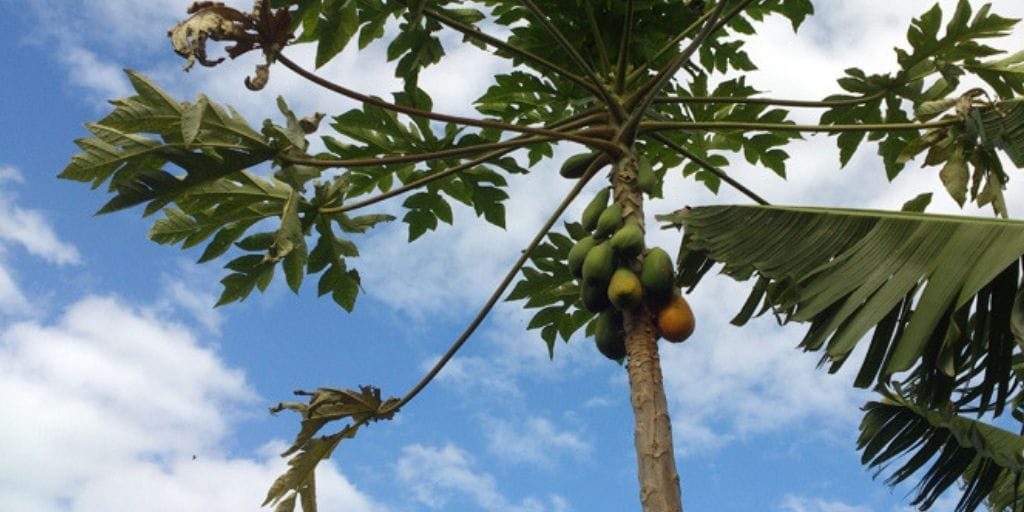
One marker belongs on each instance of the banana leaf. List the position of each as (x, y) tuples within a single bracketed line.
[(985, 459), (937, 291)]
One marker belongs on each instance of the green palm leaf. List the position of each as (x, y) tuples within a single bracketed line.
[(938, 291), (986, 459)]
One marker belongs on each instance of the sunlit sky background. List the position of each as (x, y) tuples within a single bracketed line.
[(124, 390)]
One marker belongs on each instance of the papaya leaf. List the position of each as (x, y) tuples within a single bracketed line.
[(340, 23), (955, 176), (323, 406), (330, 253), (548, 286), (918, 204), (205, 140)]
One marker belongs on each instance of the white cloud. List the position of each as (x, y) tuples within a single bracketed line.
[(112, 404), (215, 484), (436, 476), (12, 300), (10, 174), (103, 78), (793, 503), (192, 289), (29, 228), (946, 503), (534, 441)]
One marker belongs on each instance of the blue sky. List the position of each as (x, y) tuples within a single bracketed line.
[(116, 370)]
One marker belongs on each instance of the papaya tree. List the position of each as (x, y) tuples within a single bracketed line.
[(649, 88)]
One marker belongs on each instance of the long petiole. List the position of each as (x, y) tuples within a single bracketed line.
[(413, 185), (465, 121), (674, 43), (499, 291), (779, 102), (707, 166), (518, 143), (574, 55), (524, 55), (602, 50), (622, 66), (642, 99), (414, 157), (659, 126)]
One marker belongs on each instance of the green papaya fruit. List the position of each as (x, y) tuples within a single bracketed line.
[(578, 253), (645, 178), (628, 241), (609, 222), (624, 289), (593, 210), (598, 264), (594, 296), (657, 276), (609, 336), (576, 165)]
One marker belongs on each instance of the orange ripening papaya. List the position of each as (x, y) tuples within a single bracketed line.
[(675, 320)]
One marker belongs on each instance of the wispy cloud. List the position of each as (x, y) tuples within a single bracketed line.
[(534, 441), (29, 228), (30, 231), (792, 503), (435, 476), (193, 290)]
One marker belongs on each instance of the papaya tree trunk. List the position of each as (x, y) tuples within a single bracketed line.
[(656, 465)]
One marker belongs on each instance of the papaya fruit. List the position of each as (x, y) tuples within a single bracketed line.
[(594, 208), (578, 253), (576, 165), (609, 335), (657, 276), (675, 320), (594, 296), (598, 264), (645, 178), (628, 241), (624, 289), (609, 222)]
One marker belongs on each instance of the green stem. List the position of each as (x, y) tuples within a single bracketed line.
[(527, 56), (641, 100), (595, 29), (574, 55), (413, 158), (622, 66), (583, 119), (704, 164), (418, 183), (773, 101), (499, 291), (657, 126), (415, 112), (674, 43)]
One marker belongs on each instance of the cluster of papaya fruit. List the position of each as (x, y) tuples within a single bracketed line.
[(604, 263)]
